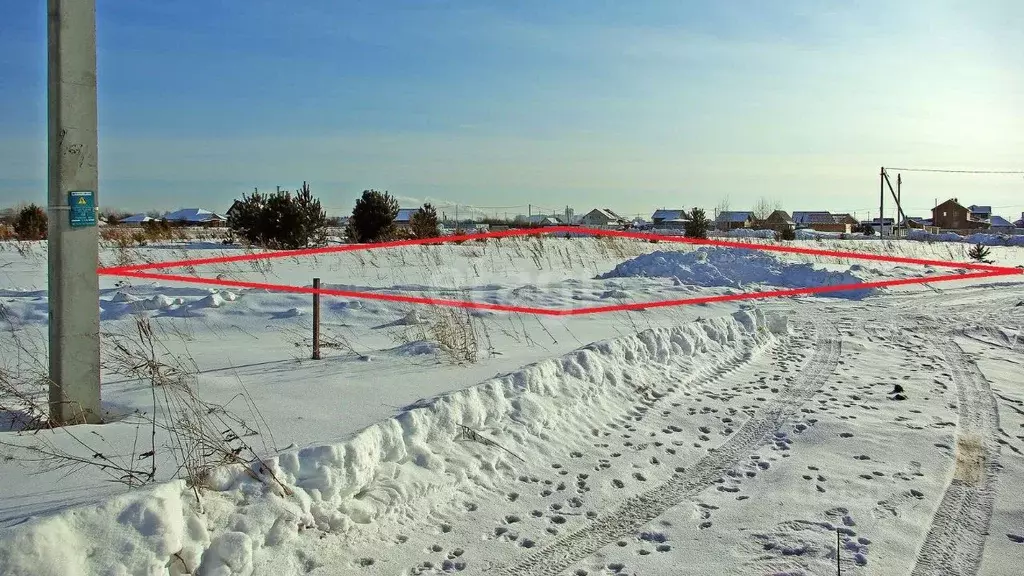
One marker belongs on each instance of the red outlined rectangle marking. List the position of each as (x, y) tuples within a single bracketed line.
[(980, 271)]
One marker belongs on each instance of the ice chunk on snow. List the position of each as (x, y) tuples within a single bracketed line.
[(734, 268)]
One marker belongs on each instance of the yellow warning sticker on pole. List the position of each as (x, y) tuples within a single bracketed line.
[(83, 208)]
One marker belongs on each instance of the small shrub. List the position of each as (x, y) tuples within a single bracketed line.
[(157, 230), (30, 223), (787, 233), (373, 217), (979, 253)]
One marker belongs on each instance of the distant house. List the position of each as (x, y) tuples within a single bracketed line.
[(876, 224), (195, 217), (733, 220), (640, 224), (403, 221), (602, 217), (778, 220), (664, 215), (916, 222), (1001, 225), (539, 220), (136, 220), (950, 215), (823, 221), (234, 206), (804, 219), (1020, 223), (980, 212)]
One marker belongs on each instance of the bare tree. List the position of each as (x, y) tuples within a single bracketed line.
[(763, 208), (723, 206)]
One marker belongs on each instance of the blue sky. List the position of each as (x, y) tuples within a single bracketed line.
[(629, 105)]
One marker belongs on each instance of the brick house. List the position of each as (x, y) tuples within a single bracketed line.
[(950, 215), (822, 221)]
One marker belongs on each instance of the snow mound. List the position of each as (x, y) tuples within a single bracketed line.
[(417, 348), (215, 300), (750, 233), (979, 238), (412, 318), (124, 297), (388, 467), (732, 268), (161, 302)]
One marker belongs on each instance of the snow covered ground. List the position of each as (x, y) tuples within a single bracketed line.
[(709, 439)]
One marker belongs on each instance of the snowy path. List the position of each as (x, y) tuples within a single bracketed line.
[(637, 511), (956, 540)]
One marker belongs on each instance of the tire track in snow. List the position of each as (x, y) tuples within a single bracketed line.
[(956, 538), (638, 510)]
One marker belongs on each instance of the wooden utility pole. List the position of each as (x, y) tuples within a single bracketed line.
[(316, 319), (881, 202), (899, 202)]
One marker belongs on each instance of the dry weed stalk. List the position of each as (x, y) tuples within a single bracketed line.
[(202, 435)]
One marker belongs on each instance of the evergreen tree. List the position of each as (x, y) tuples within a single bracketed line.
[(280, 220), (373, 217), (697, 224), (31, 223), (424, 222), (979, 252)]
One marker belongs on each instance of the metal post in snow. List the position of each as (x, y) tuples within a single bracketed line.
[(839, 568), (72, 238), (316, 319)]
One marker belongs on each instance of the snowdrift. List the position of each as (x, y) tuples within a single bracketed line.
[(404, 466), (723, 267), (980, 238)]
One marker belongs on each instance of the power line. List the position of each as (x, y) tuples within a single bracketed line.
[(1019, 172)]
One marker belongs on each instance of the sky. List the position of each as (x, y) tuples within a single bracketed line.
[(535, 105)]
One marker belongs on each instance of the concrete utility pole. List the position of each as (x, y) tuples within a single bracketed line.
[(72, 235)]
